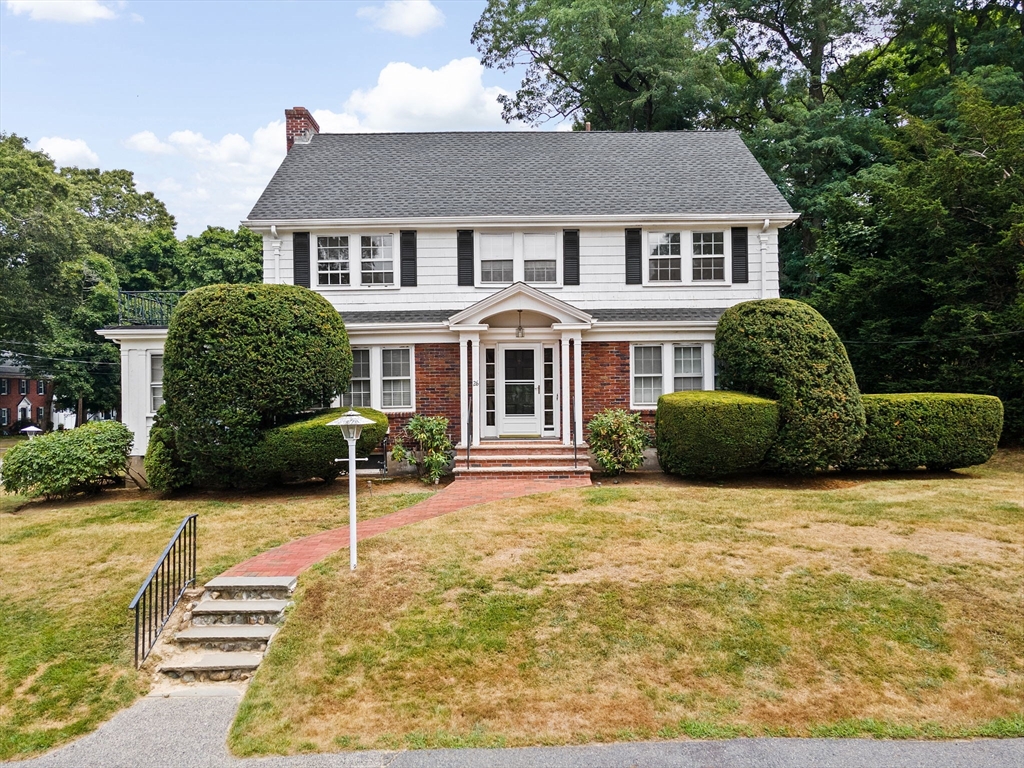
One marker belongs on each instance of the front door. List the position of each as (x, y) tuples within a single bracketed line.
[(519, 384)]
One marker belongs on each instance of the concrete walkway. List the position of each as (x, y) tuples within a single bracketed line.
[(189, 732), (293, 558)]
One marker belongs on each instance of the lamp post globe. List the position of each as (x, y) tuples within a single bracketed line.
[(351, 424)]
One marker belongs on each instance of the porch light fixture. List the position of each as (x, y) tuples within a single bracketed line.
[(520, 331), (351, 424)]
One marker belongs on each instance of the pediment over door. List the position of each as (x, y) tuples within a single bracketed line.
[(538, 308)]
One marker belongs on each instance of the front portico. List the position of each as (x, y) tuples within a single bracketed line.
[(520, 366)]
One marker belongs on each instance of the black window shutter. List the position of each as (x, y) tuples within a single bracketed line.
[(464, 248), (634, 258), (300, 259), (740, 272), (407, 240), (571, 257)]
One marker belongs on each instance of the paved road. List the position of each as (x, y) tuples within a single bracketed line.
[(189, 732)]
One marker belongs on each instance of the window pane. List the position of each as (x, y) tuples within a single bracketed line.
[(394, 363), (539, 271), (688, 361), (360, 363), (708, 243), (647, 361), (647, 390), (396, 393), (709, 268), (332, 260), (495, 247), (666, 269), (376, 254), (496, 271), (664, 244), (539, 247)]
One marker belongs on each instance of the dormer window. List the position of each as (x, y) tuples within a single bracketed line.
[(332, 260)]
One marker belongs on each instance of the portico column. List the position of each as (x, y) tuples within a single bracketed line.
[(577, 372), (476, 376), (563, 365), (463, 395)]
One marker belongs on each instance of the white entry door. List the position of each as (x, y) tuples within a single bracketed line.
[(520, 376)]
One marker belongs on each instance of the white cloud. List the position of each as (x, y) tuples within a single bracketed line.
[(67, 11), (146, 141), (406, 17), (216, 181), (69, 151), (408, 98)]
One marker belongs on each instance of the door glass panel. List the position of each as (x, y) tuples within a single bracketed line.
[(549, 388), (519, 400), (519, 365)]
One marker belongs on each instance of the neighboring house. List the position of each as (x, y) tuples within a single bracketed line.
[(23, 400), (514, 282)]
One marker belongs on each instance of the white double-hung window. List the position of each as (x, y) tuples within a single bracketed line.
[(156, 382), (688, 368), (358, 395), (540, 259), (378, 259), (396, 377), (496, 258), (666, 257), (647, 375), (708, 256), (332, 260)]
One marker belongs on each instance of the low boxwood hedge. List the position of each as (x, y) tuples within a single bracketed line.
[(709, 434), (308, 448), (933, 430), (71, 461)]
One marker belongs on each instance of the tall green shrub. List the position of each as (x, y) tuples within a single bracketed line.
[(938, 431), (308, 448), (431, 449), (784, 350), (67, 462), (239, 359), (710, 434)]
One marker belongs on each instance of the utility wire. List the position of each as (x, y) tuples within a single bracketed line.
[(64, 359), (938, 341)]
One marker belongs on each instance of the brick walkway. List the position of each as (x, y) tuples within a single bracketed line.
[(296, 556)]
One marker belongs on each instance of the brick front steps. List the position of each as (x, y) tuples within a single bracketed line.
[(522, 459)]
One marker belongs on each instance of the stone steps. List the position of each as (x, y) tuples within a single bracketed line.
[(223, 636), (525, 459)]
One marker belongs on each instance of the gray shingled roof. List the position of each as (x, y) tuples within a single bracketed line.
[(646, 315), (391, 175)]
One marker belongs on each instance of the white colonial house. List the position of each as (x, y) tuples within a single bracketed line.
[(514, 282)]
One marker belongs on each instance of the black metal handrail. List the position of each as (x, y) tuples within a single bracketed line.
[(174, 572), (152, 308)]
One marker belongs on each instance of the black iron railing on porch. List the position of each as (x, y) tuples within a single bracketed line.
[(152, 308), (174, 572)]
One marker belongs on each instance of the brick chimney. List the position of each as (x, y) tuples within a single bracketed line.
[(299, 126)]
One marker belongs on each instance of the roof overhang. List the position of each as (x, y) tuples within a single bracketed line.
[(777, 219), (520, 296)]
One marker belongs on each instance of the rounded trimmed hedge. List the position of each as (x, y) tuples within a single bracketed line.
[(70, 461), (239, 359), (710, 434), (308, 448), (784, 350), (933, 430)]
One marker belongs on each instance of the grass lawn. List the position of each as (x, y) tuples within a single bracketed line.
[(884, 605), (68, 571)]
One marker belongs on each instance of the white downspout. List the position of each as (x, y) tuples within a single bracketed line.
[(764, 250), (277, 253)]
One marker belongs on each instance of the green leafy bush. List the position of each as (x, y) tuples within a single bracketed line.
[(308, 448), (617, 440), (61, 464), (938, 431), (784, 350), (709, 434), (238, 360), (432, 450), (165, 471)]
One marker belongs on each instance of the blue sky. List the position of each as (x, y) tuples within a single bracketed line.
[(191, 95)]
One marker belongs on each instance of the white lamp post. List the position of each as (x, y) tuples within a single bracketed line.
[(351, 424), (31, 431)]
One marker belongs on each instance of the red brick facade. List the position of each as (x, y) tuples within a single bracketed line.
[(606, 381), (13, 399), (437, 388)]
